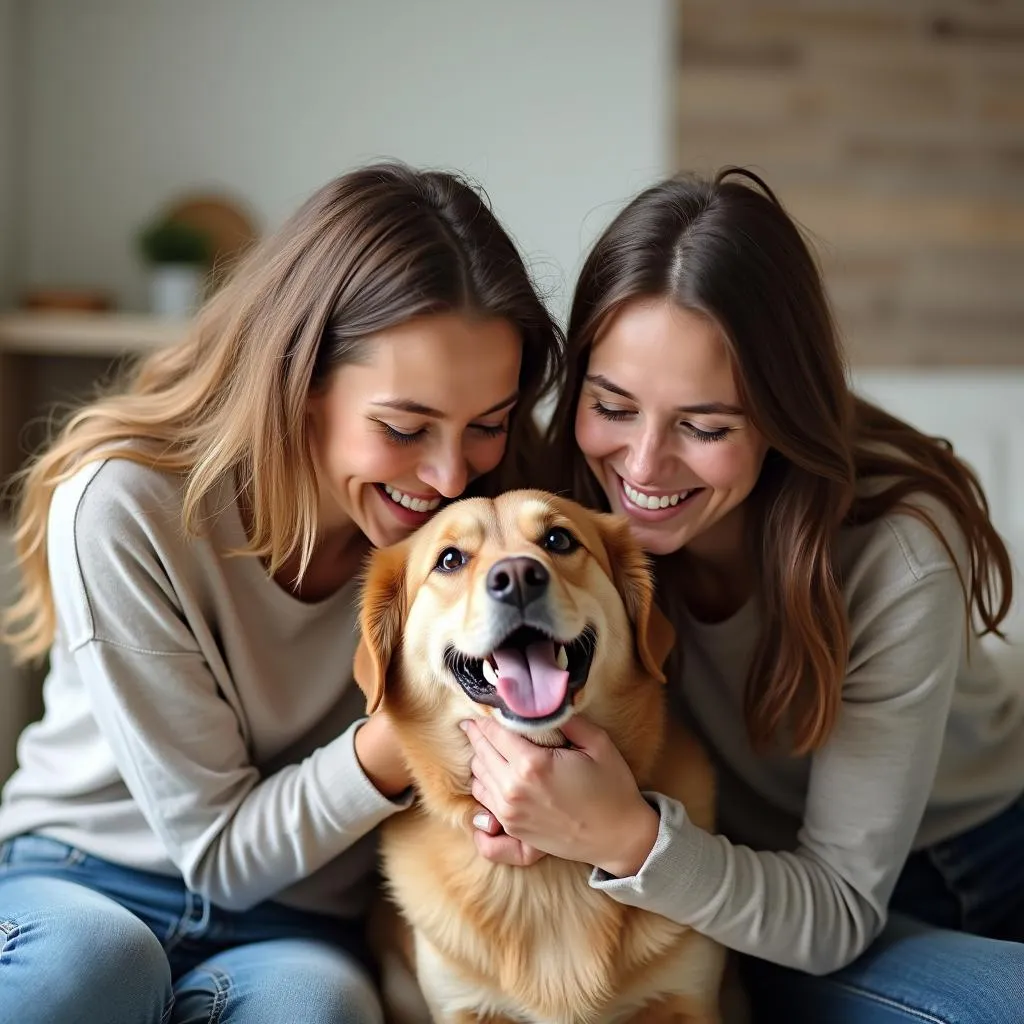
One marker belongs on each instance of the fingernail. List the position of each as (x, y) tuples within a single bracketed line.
[(482, 821), (464, 726)]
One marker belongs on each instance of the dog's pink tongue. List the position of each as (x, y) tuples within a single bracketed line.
[(531, 685)]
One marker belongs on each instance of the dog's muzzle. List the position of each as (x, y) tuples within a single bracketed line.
[(531, 676)]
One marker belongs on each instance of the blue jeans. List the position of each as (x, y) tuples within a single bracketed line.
[(84, 941), (952, 952)]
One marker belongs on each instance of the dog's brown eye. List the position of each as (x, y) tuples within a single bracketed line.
[(559, 541), (450, 559)]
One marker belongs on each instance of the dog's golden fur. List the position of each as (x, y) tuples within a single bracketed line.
[(495, 942)]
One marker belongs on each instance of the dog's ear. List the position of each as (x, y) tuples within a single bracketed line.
[(631, 573), (381, 619)]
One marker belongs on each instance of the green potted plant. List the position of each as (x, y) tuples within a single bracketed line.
[(178, 256)]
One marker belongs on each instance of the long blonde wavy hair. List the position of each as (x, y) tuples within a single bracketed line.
[(368, 251)]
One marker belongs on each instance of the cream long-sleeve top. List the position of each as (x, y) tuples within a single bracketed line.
[(199, 719), (929, 742)]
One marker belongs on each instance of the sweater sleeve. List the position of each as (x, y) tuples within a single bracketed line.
[(177, 742), (817, 907)]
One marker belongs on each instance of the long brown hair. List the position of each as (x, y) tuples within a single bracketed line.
[(368, 251), (726, 248)]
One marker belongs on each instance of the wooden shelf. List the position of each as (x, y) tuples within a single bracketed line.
[(85, 334), (32, 342)]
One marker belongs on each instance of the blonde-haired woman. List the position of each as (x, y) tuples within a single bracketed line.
[(185, 837)]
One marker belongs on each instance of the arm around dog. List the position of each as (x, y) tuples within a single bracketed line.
[(132, 632), (818, 906)]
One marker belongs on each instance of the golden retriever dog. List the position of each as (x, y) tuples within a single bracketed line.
[(531, 609)]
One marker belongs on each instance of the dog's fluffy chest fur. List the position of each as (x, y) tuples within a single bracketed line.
[(532, 943)]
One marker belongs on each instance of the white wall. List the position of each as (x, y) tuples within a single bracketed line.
[(8, 100), (559, 108)]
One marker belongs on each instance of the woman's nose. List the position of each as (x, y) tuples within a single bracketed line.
[(645, 457), (447, 473)]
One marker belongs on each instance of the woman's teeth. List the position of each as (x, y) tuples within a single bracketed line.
[(416, 504), (642, 500)]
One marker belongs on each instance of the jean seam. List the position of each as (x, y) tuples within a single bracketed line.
[(9, 932), (895, 1004), (185, 926), (222, 986), (73, 857)]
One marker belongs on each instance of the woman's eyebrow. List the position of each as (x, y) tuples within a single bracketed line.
[(712, 409), (419, 409), (603, 382), (703, 409)]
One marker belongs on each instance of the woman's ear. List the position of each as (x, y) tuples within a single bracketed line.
[(631, 573), (381, 620)]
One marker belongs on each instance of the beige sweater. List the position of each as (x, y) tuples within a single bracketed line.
[(199, 720)]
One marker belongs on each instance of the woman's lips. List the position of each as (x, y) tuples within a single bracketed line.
[(640, 504)]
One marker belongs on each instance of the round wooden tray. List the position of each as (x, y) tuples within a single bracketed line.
[(224, 221)]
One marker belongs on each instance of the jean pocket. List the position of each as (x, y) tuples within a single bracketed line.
[(35, 851)]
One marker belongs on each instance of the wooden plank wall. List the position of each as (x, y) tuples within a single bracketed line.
[(894, 131)]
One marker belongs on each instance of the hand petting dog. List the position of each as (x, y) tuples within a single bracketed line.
[(535, 795)]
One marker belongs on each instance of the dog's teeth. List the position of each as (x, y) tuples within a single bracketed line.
[(562, 659), (489, 674)]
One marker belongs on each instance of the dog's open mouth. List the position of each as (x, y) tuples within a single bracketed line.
[(531, 676)]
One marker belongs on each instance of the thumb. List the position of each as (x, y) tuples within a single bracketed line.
[(582, 733)]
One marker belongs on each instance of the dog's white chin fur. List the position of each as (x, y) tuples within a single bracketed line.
[(548, 735)]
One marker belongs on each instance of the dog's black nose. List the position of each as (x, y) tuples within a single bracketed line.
[(517, 581)]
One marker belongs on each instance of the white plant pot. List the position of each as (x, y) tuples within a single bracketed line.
[(175, 289)]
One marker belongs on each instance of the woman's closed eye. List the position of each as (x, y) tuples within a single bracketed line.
[(491, 429), (706, 436), (618, 415), (610, 412), (398, 435)]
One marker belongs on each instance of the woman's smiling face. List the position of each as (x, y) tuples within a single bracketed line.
[(424, 414), (660, 423)]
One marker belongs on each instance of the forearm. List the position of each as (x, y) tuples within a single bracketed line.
[(634, 843), (234, 836), (787, 908), (283, 829)]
